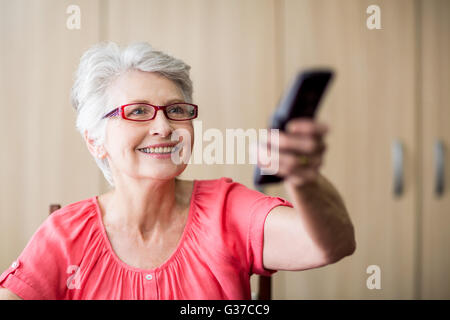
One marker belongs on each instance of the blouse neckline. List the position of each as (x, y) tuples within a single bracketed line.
[(174, 254)]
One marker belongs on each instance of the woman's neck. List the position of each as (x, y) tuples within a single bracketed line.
[(144, 209)]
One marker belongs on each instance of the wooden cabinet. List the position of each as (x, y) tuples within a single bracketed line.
[(43, 158), (434, 114), (390, 95), (371, 104)]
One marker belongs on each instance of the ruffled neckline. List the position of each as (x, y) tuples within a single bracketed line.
[(175, 253)]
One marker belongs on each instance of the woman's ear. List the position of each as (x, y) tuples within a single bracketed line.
[(96, 151)]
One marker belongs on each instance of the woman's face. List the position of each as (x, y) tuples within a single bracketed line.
[(124, 137)]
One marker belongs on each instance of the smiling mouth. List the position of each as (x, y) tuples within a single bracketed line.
[(161, 150)]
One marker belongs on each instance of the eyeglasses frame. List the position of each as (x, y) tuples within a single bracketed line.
[(119, 111)]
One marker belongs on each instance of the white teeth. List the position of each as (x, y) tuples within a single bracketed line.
[(158, 150)]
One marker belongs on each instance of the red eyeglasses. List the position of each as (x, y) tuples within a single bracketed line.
[(179, 111)]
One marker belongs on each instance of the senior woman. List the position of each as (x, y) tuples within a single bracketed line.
[(154, 236)]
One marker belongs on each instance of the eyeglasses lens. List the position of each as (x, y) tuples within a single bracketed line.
[(145, 112)]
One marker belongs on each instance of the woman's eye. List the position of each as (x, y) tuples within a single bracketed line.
[(176, 110), (139, 111)]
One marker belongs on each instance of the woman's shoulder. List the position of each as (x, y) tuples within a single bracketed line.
[(40, 271), (216, 180), (74, 212), (71, 221), (224, 192), (234, 197), (215, 183), (223, 184)]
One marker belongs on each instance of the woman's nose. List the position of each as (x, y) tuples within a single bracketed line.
[(160, 125)]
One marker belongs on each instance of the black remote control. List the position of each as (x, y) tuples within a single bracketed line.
[(301, 101)]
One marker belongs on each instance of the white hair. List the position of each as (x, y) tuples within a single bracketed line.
[(99, 67)]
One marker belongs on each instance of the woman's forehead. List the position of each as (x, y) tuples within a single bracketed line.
[(140, 86)]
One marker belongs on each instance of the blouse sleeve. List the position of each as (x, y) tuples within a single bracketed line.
[(35, 274), (247, 210)]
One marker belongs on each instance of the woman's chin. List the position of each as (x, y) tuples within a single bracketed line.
[(164, 172)]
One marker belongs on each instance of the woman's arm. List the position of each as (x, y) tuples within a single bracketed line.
[(316, 232), (5, 294)]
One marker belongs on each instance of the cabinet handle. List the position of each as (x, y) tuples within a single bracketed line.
[(439, 165), (397, 163)]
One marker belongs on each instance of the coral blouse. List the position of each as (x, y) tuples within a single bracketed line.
[(70, 256)]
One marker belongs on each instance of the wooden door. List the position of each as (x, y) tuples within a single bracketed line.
[(435, 119), (370, 105), (40, 160)]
